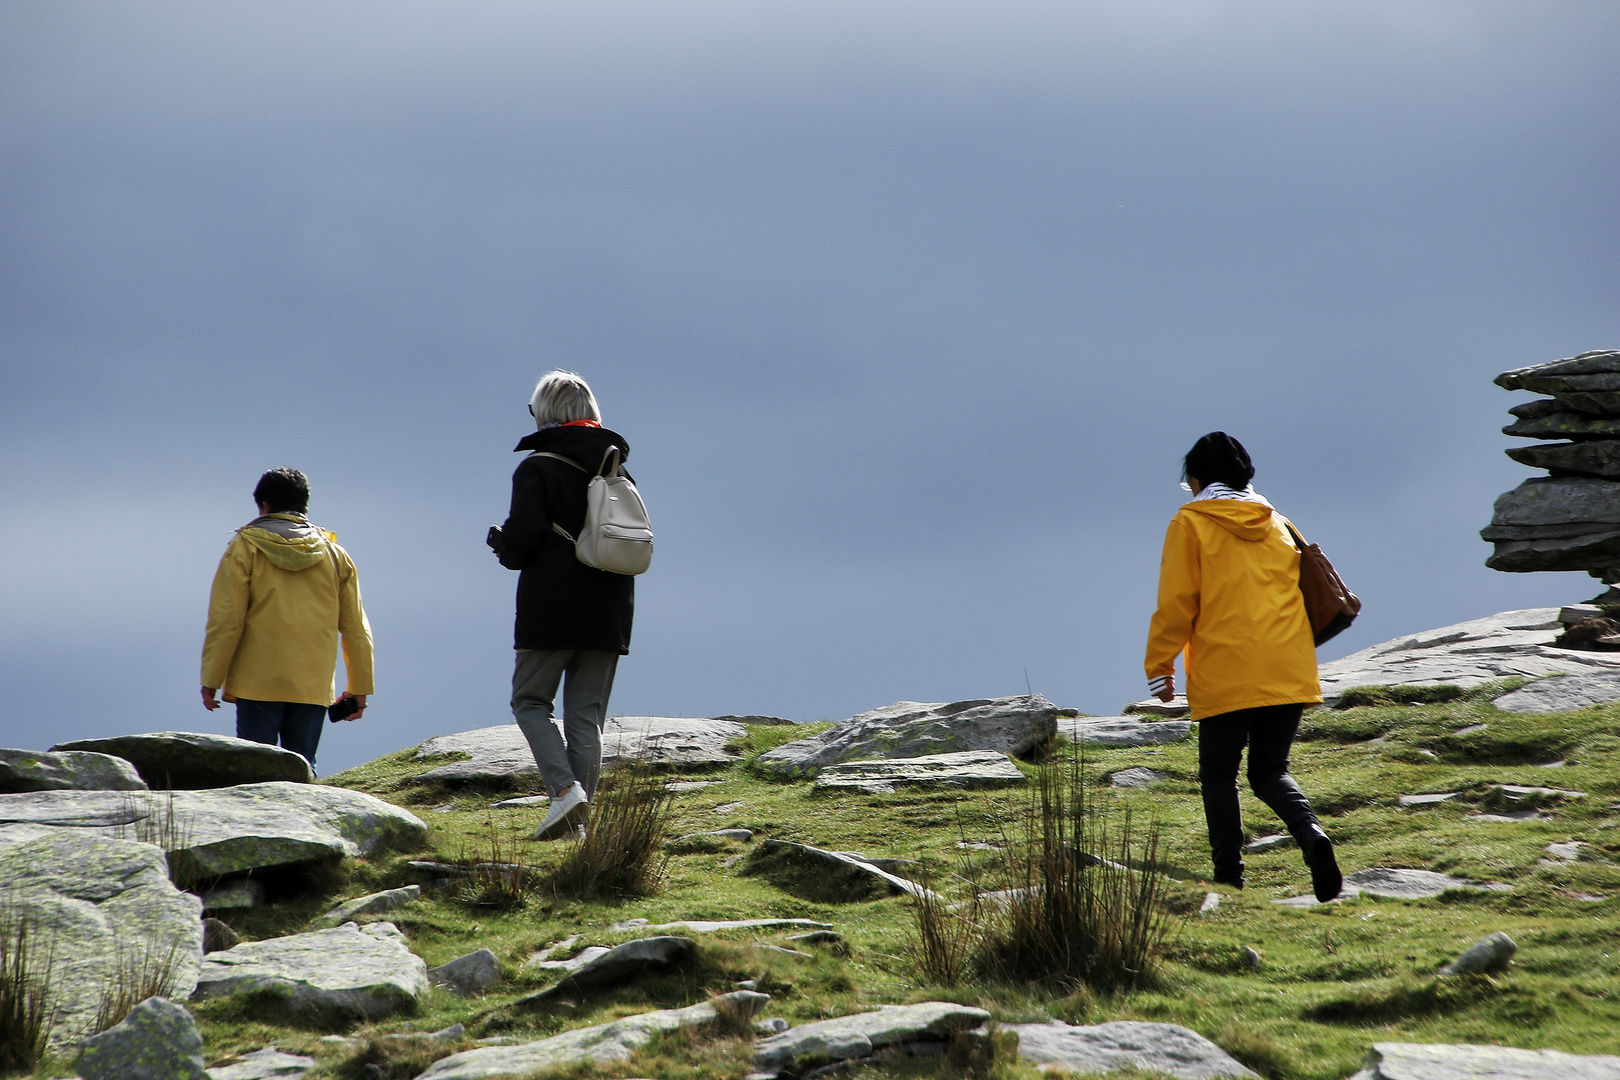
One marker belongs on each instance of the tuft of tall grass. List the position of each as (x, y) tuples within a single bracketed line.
[(153, 821), (622, 850), (495, 874), (25, 994), (140, 970)]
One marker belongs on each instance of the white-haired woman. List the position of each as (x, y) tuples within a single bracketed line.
[(573, 621)]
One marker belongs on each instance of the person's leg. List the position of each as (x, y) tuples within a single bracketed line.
[(259, 721), (1271, 736), (534, 688), (301, 725), (585, 703), (1220, 750)]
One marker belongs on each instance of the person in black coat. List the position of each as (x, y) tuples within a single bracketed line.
[(573, 621)]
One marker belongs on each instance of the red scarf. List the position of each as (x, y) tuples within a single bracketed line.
[(581, 423)]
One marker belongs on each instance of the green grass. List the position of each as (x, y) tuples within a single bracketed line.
[(1332, 980)]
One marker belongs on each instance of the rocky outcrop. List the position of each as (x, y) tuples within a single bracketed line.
[(1166, 1049), (601, 1045), (501, 752), (71, 770), (1123, 730), (847, 1038), (617, 965), (158, 1040), (1562, 693), (910, 729), (351, 973), (190, 759), (967, 769), (106, 906), (1426, 1061)]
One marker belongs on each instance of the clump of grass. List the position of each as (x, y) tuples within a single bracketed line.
[(25, 994), (1432, 997), (496, 875), (140, 970), (622, 851), (152, 820), (1358, 696), (945, 943), (1257, 1050), (763, 737), (396, 1057)]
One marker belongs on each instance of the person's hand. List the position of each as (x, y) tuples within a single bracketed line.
[(209, 701), (1167, 692), (359, 700)]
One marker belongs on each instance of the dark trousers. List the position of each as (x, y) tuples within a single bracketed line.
[(1269, 732), (296, 725)]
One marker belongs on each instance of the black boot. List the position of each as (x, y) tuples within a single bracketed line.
[(1326, 881)]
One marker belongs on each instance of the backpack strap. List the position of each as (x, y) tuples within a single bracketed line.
[(602, 469), (559, 457)]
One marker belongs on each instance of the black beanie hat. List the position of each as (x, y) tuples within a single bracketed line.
[(1218, 458)]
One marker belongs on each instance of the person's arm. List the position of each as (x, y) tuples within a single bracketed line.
[(527, 525), (1180, 579), (227, 615), (355, 631)]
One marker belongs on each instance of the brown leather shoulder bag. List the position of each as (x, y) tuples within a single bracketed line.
[(1329, 605)]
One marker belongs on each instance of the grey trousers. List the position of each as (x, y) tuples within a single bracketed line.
[(575, 753)]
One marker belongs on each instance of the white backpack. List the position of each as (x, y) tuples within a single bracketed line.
[(617, 535)]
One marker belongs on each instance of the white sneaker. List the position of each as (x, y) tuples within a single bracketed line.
[(565, 808)]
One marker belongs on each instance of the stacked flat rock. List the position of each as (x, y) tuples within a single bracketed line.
[(1570, 519)]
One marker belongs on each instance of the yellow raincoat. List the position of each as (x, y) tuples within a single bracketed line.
[(1229, 595), (282, 596)]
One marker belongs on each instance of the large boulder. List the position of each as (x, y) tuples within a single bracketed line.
[(1556, 523), (191, 759), (909, 729), (502, 753), (214, 833), (599, 1045), (72, 770), (1466, 654), (1439, 1061), (966, 769), (1166, 1049), (850, 1037), (104, 906), (350, 973), (158, 1040)]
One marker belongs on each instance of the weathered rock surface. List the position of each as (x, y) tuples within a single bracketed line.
[(573, 963), (218, 936), (1465, 654), (266, 1064), (910, 729), (235, 894), (1399, 884), (618, 965), (99, 899), (1175, 708), (754, 718), (1491, 953), (72, 770), (374, 904), (191, 759), (1548, 418), (501, 752), (1262, 844), (1123, 730), (714, 839), (352, 972), (602, 1044), (964, 769), (1430, 799), (857, 1036), (700, 926), (1598, 369), (158, 1040), (1595, 457), (1426, 1061), (225, 831), (1526, 797), (1562, 693), (1102, 1048), (839, 861), (1556, 523), (466, 975), (1136, 777)]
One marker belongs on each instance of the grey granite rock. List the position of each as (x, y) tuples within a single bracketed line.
[(466, 975), (1595, 457), (1398, 884), (106, 906), (373, 904), (1431, 1061), (191, 759), (158, 1040), (266, 1064), (1175, 708), (1550, 418), (1465, 654), (218, 936), (71, 770), (1566, 852), (352, 972), (1431, 799), (1603, 364), (1103, 1048), (1491, 953), (1123, 730), (859, 1035), (1212, 900), (699, 926), (713, 840), (1562, 693), (234, 894), (618, 965), (964, 769), (1262, 844), (840, 860), (817, 937), (909, 729), (1136, 777), (602, 1044), (573, 963), (501, 752), (754, 718), (1556, 523)]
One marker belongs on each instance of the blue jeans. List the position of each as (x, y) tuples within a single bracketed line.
[(295, 724)]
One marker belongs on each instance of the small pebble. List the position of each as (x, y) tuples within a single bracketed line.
[(1251, 958)]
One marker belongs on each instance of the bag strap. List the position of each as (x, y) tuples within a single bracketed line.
[(1299, 541), (559, 457), (602, 469)]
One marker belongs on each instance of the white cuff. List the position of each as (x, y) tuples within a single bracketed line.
[(1157, 685)]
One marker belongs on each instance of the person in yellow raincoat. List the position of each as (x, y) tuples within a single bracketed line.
[(1229, 599), (284, 595)]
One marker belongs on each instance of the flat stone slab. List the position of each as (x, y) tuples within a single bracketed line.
[(501, 752), (70, 770), (1136, 777), (192, 759), (911, 729), (1262, 844), (1175, 708), (1102, 1048), (964, 769), (373, 904), (1466, 654), (1398, 884), (805, 852), (617, 965), (266, 1064), (1439, 1061), (699, 926), (756, 718), (1562, 693), (847, 1037), (1123, 730), (602, 1044), (585, 956), (1430, 799), (224, 831), (95, 897), (352, 972)]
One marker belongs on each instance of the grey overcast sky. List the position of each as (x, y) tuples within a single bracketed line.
[(908, 311)]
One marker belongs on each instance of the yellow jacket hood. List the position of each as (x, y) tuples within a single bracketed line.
[(289, 541), (1244, 520)]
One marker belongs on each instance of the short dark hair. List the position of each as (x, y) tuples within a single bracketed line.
[(284, 491), (1218, 458)]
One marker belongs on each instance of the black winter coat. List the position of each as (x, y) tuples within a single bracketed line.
[(561, 602)]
